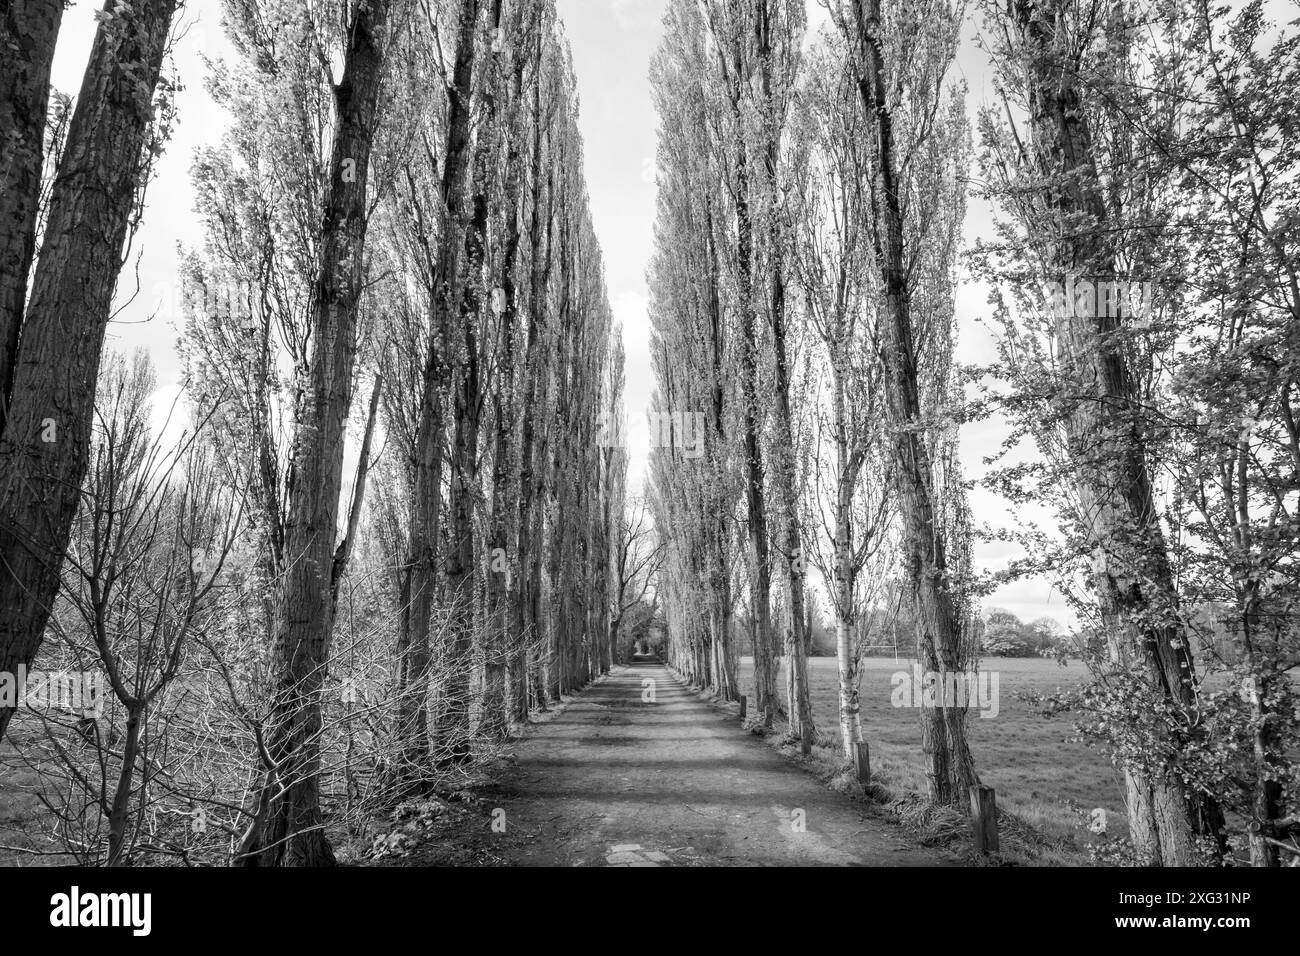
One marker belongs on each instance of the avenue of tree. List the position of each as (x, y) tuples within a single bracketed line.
[(398, 522)]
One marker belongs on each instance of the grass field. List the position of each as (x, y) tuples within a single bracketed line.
[(1028, 759)]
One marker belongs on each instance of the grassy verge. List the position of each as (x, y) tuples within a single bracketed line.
[(1039, 772)]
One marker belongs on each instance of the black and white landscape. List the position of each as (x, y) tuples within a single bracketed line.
[(616, 433)]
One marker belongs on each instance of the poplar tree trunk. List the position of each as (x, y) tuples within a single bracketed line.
[(419, 587), (760, 586), (453, 726), (1132, 578), (415, 653), (29, 30), (796, 638), (950, 769), (47, 432), (796, 642), (537, 393), (499, 679), (1267, 799), (288, 826), (848, 466), (728, 687)]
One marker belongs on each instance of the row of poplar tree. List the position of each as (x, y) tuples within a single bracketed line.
[(387, 531), (1138, 161)]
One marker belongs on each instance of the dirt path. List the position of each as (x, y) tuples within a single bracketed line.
[(615, 780)]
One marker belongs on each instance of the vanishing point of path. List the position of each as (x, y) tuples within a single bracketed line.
[(614, 780)]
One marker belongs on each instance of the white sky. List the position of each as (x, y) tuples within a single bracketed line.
[(612, 42)]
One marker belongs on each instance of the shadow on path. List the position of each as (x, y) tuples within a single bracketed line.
[(639, 771)]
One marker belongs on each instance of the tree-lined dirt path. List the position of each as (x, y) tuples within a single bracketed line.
[(615, 780)]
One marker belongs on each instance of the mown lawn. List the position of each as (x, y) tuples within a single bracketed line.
[(1026, 758)]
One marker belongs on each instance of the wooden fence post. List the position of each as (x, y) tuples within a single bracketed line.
[(984, 818), (862, 762)]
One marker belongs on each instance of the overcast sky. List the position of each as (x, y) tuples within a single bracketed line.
[(612, 42)]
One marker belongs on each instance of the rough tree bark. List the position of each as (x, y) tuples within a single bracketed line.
[(796, 638), (760, 570), (425, 507), (528, 618), (950, 769), (502, 677), (47, 434), (287, 827), (28, 32), (1132, 577), (849, 461), (720, 580)]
